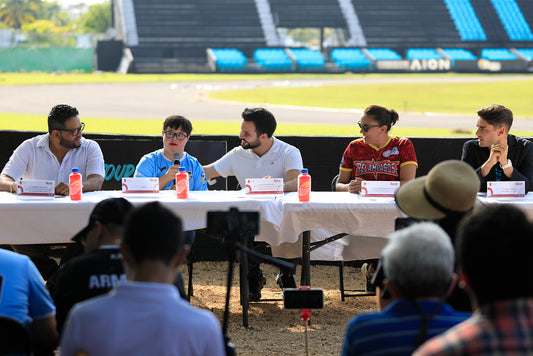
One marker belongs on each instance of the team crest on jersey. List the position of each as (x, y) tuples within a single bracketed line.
[(381, 167), (389, 153)]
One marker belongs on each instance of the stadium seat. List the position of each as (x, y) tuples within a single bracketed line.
[(497, 54), (273, 59), (383, 54), (422, 53), (459, 54), (350, 59), (513, 20), (465, 20), (307, 59), (229, 59)]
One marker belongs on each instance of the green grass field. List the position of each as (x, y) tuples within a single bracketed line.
[(424, 96)]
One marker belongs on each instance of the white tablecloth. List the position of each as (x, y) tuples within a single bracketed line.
[(58, 219), (283, 219)]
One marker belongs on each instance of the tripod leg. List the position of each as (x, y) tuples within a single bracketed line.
[(243, 282)]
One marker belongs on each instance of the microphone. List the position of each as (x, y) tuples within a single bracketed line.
[(177, 157)]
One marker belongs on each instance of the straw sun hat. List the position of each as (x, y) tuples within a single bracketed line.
[(450, 187)]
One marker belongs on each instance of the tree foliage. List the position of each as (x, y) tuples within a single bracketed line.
[(97, 19), (16, 13)]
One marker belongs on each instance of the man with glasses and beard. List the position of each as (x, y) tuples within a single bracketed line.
[(52, 156), (260, 155)]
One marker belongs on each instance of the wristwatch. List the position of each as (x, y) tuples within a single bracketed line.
[(508, 165)]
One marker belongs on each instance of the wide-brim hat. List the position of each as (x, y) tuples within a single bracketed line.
[(112, 210), (450, 187)]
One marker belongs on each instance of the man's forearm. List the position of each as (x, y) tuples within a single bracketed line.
[(8, 184), (92, 183)]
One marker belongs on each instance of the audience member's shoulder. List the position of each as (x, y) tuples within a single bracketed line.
[(13, 258)]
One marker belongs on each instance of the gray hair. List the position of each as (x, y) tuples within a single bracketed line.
[(419, 261)]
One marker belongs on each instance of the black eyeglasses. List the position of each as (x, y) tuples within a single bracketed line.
[(74, 132), (366, 127), (179, 135)]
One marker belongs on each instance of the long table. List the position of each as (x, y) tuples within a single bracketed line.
[(285, 223)]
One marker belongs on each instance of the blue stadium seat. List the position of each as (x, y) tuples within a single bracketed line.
[(380, 54), (422, 53), (527, 53), (350, 59), (497, 54), (466, 21), (307, 59), (513, 20), (229, 59), (273, 59), (459, 54)]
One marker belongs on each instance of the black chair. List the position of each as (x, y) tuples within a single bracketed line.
[(15, 337), (357, 292)]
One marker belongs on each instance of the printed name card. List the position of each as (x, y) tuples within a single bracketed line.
[(506, 189), (140, 185), (36, 189), (376, 188), (258, 186)]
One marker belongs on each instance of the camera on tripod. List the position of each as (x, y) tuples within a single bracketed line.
[(233, 223)]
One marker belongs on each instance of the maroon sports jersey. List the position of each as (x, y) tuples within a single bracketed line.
[(369, 162)]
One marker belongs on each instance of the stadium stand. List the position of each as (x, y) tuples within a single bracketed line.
[(513, 20), (307, 13), (422, 53), (465, 20), (169, 36), (308, 60), (273, 59), (350, 59), (497, 54), (406, 23), (173, 36)]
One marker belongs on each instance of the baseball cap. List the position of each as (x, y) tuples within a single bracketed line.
[(112, 210), (450, 187)]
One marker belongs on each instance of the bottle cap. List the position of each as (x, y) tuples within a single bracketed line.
[(75, 169), (182, 169), (305, 170)]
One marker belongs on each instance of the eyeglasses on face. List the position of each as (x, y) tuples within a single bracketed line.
[(366, 127), (179, 135), (75, 132)]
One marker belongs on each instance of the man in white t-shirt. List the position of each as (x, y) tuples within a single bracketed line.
[(145, 315), (260, 155), (52, 156)]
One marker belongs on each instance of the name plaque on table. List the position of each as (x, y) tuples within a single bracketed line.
[(376, 188), (507, 189), (36, 189), (140, 185), (264, 186)]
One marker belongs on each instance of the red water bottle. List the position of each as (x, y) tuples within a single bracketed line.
[(304, 185), (182, 184), (74, 184)]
